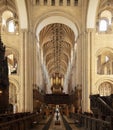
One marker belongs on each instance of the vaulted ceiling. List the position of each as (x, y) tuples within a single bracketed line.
[(7, 4), (57, 41)]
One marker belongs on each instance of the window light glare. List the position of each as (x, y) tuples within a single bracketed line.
[(103, 25), (11, 27), (106, 58)]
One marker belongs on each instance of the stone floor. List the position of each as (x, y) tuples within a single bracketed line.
[(57, 127)]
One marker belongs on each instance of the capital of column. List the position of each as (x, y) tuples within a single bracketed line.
[(90, 30)]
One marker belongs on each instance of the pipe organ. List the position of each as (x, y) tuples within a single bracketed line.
[(57, 83)]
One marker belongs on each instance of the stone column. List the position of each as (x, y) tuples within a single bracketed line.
[(93, 62), (41, 2), (79, 61), (57, 3), (88, 68), (64, 2), (72, 2), (49, 2), (34, 2), (22, 72), (26, 73)]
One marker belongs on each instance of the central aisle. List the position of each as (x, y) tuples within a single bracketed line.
[(40, 126), (57, 127)]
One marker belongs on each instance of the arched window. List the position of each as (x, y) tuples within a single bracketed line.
[(105, 20), (10, 22), (107, 14), (12, 64), (105, 89), (11, 26), (105, 63), (103, 25)]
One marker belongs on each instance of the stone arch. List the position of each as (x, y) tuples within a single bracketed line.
[(91, 14), (57, 17), (101, 50), (105, 89), (17, 86), (4, 8), (13, 50), (104, 60), (10, 50), (22, 11), (103, 80), (15, 82)]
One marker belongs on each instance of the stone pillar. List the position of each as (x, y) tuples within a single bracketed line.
[(64, 2), (41, 2), (34, 2), (72, 2), (79, 61), (57, 3), (93, 62), (22, 72), (26, 73), (87, 66), (49, 2), (87, 72)]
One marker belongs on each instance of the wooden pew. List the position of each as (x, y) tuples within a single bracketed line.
[(19, 121)]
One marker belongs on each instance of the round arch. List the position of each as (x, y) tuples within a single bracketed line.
[(102, 80), (10, 50), (91, 14), (15, 82), (22, 11), (104, 49), (56, 17)]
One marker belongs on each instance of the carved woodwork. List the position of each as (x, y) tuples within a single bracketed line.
[(101, 105), (57, 99)]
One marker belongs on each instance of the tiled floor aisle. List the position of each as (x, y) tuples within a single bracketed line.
[(57, 127)]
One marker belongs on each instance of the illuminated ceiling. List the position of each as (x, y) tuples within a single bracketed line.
[(57, 41)]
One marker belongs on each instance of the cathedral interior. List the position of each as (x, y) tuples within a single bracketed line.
[(56, 64)]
